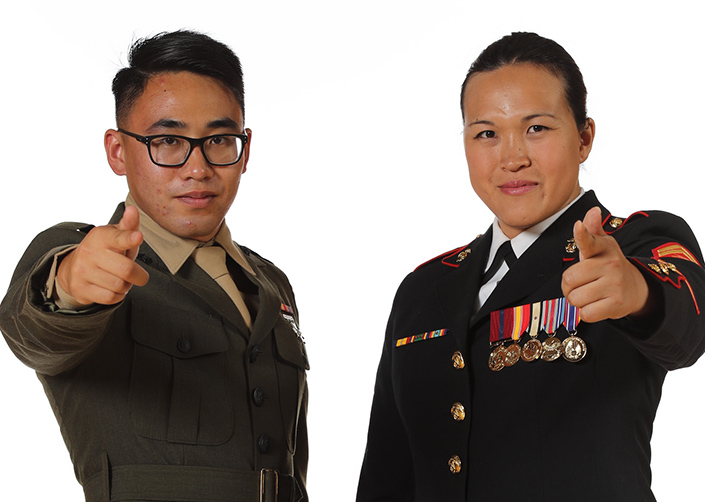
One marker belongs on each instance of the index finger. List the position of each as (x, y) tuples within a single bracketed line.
[(123, 240)]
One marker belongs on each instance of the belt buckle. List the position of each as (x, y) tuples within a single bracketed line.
[(262, 484)]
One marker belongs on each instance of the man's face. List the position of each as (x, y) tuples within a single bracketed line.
[(522, 145), (189, 201)]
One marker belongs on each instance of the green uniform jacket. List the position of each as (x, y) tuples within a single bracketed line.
[(166, 396)]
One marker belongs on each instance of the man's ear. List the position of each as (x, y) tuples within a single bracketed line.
[(115, 151), (246, 153)]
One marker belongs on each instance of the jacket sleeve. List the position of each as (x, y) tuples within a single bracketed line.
[(387, 468), (45, 338), (663, 247)]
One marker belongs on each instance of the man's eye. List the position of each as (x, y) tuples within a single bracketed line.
[(167, 141), (485, 135)]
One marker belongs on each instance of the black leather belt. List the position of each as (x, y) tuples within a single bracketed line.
[(177, 483)]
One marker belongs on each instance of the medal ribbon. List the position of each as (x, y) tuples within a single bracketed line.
[(547, 316), (572, 317), (510, 323)]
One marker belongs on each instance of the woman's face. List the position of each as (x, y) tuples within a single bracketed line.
[(522, 145)]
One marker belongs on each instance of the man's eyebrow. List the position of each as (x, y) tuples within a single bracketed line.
[(166, 124), (222, 123)]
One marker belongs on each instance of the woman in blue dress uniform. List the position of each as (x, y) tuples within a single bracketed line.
[(528, 364)]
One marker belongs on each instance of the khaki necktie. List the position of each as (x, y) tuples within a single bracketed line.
[(212, 260)]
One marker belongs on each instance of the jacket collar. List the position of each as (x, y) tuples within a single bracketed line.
[(193, 278), (551, 254)]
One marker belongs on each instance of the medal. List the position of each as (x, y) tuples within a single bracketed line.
[(496, 361), (532, 348), (547, 317), (507, 324), (551, 320), (574, 347), (512, 354), (551, 349)]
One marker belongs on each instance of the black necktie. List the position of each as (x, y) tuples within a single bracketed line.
[(505, 254)]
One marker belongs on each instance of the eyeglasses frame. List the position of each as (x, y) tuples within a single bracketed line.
[(147, 140)]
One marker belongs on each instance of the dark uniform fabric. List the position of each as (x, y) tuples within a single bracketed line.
[(536, 431), (166, 396)]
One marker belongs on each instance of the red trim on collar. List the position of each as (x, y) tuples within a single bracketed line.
[(444, 256), (606, 221)]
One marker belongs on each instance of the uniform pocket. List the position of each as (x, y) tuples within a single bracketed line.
[(178, 388)]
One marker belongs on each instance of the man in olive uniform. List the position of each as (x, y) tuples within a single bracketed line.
[(171, 356)]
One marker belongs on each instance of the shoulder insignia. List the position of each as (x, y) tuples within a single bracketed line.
[(613, 223), (674, 250)]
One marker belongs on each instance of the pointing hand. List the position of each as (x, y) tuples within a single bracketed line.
[(604, 284), (102, 268)]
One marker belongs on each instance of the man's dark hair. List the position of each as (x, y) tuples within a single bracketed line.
[(173, 52), (533, 49)]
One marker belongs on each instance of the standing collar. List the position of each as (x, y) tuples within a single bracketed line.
[(525, 239), (174, 250)]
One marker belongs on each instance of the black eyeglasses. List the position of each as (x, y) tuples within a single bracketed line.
[(170, 150)]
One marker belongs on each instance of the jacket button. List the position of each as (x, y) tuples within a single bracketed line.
[(455, 464), (258, 396), (458, 411), (254, 353), (263, 443), (183, 345), (458, 361)]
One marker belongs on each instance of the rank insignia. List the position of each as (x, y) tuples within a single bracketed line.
[(674, 250)]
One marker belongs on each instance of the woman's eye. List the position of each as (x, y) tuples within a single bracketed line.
[(537, 128), (485, 135)]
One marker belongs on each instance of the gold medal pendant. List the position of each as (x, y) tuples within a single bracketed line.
[(496, 361), (531, 350), (512, 354), (552, 349), (574, 348)]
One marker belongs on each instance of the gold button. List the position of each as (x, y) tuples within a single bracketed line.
[(454, 464), (616, 222), (458, 411), (458, 361)]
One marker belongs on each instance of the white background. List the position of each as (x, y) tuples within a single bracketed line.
[(357, 174)]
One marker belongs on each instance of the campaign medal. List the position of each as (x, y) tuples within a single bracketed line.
[(507, 324), (496, 361), (551, 349), (512, 354), (532, 348), (574, 347), (550, 321)]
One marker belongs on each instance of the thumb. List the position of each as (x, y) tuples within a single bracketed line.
[(587, 232)]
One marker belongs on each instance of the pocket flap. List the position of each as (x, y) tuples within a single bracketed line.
[(290, 347), (177, 332)]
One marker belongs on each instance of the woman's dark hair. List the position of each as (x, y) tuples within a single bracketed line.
[(533, 49), (173, 52)]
